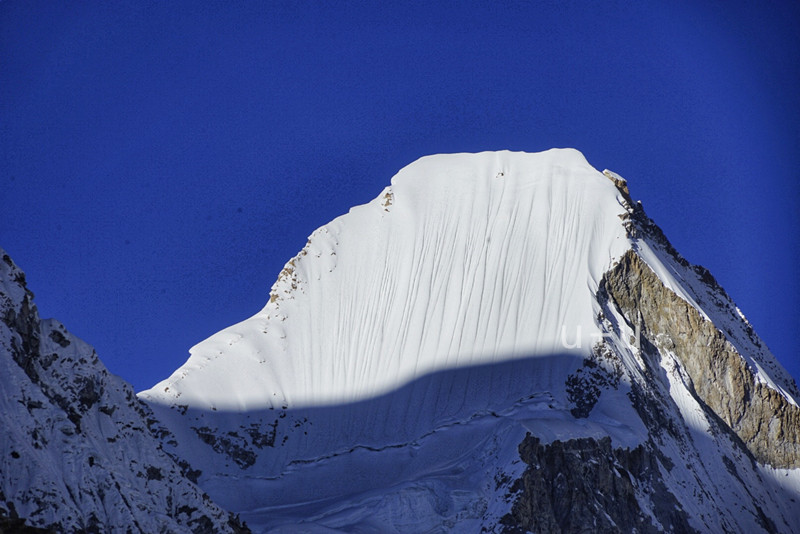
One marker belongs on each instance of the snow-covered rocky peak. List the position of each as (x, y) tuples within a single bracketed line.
[(499, 342), (466, 259), (452, 355)]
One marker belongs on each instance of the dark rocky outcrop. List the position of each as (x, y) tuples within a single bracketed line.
[(584, 485), (601, 371), (231, 444)]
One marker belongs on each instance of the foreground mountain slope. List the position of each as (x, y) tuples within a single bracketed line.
[(77, 453), (499, 341)]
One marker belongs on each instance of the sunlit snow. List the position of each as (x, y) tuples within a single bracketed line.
[(467, 259)]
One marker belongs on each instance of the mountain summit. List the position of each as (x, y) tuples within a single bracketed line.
[(498, 342)]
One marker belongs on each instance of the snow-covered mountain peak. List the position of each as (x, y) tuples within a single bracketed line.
[(499, 342), (487, 308), (466, 259)]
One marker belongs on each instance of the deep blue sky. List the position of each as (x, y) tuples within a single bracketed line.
[(161, 161)]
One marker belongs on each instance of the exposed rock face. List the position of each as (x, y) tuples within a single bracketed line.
[(79, 450), (761, 417), (584, 485)]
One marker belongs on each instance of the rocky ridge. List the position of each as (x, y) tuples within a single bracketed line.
[(764, 419), (79, 450)]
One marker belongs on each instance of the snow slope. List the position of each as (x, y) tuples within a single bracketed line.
[(409, 348), (466, 259)]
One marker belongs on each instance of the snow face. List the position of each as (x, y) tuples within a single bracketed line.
[(466, 259)]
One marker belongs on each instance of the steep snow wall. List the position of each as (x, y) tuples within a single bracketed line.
[(466, 259)]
